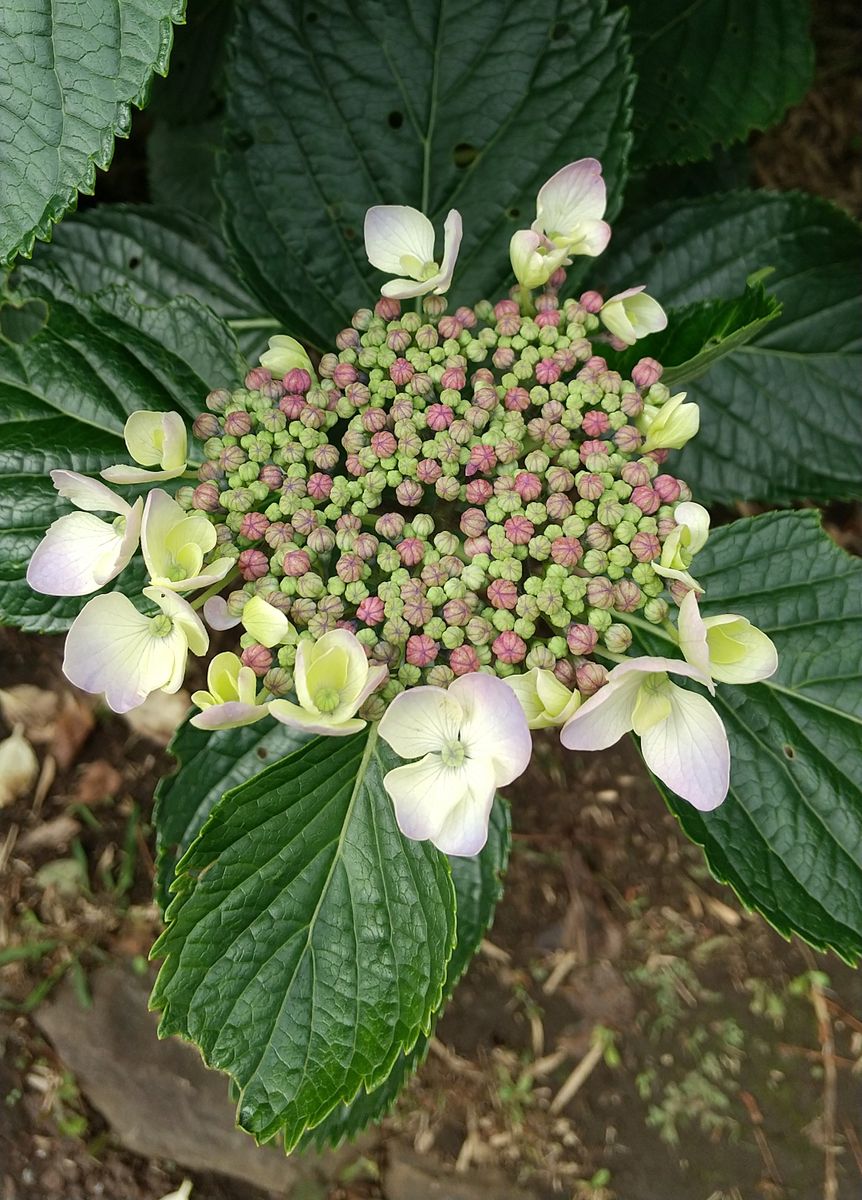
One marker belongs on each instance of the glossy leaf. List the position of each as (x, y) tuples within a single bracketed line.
[(711, 72), (789, 836), (69, 75), (65, 393), (780, 416), (308, 941), (701, 334), (478, 887), (412, 104)]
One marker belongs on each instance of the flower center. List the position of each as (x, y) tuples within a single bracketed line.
[(119, 525), (327, 699), (452, 753), (416, 269), (161, 625)]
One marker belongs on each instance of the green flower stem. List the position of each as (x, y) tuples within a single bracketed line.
[(525, 301), (616, 658), (255, 323), (666, 632), (215, 589)]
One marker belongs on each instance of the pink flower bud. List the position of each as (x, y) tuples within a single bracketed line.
[(370, 610), (366, 546), (632, 404), (547, 371), (453, 377), (411, 551), (486, 399), (598, 537), (600, 593), (258, 658), (482, 458), (398, 340), (628, 439), (206, 497), (557, 279), (278, 533), (666, 526), (565, 672), (313, 418), (254, 526), (409, 493), (456, 613), (447, 488), (627, 596), (645, 499), (463, 660), (297, 380), (321, 540), (567, 551), (645, 546), (450, 327), (206, 425), (635, 474), (502, 593), (528, 486), (466, 316), (253, 564), (387, 308), (319, 486), (666, 488), (347, 339), (349, 568), (506, 307), (291, 405), (390, 525), (477, 545), (646, 372), (548, 320), (296, 563), (503, 357), (421, 650), (589, 486), (559, 506), (473, 522), (218, 400), (401, 372), (210, 470), (517, 399), (595, 423), (609, 381), (256, 378), (590, 677), (344, 374), (591, 302), (428, 471), (237, 424), (582, 639), (509, 648), (479, 491), (354, 467), (439, 417), (272, 476), (384, 444), (373, 420), (519, 530)]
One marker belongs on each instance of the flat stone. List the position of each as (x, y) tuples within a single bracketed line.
[(408, 1176), (159, 1098)]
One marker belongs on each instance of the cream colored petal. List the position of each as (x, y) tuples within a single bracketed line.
[(692, 633), (525, 688), (424, 793), (465, 830), (394, 232), (421, 721), (407, 289), (696, 519), (110, 649), (217, 615), (121, 474), (740, 653), (182, 613), (689, 751), (575, 194), (452, 234), (615, 318), (646, 314), (88, 494), (603, 719), (309, 722), (230, 715)]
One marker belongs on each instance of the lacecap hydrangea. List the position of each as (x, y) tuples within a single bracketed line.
[(451, 524)]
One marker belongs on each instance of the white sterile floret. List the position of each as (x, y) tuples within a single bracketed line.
[(152, 439), (633, 314), (400, 241), (726, 647), (333, 678)]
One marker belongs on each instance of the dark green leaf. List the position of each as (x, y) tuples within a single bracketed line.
[(700, 334), (208, 765), (413, 104), (65, 394), (712, 71), (181, 163), (789, 836), (779, 417), (68, 80), (158, 253), (308, 941), (478, 887)]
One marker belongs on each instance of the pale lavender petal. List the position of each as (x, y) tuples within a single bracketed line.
[(465, 830), (230, 715), (605, 717), (493, 728), (217, 615), (574, 194), (88, 494)]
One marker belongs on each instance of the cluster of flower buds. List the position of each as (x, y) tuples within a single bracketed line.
[(473, 501)]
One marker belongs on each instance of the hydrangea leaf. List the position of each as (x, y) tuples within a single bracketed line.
[(710, 72), (208, 765), (157, 253), (407, 104), (478, 886), (788, 838), (780, 415), (66, 389), (700, 334), (69, 75), (307, 943)]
